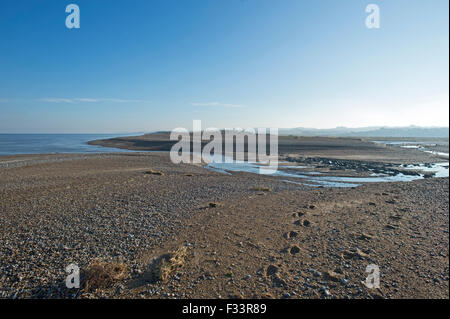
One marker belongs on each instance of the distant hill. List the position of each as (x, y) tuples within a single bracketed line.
[(409, 131)]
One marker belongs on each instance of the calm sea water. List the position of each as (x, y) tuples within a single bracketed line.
[(11, 144)]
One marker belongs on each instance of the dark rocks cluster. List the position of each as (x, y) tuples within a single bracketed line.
[(357, 166)]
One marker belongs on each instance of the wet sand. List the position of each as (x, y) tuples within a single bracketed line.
[(335, 147), (246, 235)]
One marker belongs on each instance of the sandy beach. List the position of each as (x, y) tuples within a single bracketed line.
[(237, 235)]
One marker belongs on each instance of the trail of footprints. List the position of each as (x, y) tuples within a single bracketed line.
[(301, 221)]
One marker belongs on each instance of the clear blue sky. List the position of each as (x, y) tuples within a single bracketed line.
[(145, 65)]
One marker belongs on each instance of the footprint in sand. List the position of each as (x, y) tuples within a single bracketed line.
[(291, 234), (298, 214), (302, 222), (294, 250)]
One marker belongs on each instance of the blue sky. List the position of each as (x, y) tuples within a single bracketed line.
[(147, 65)]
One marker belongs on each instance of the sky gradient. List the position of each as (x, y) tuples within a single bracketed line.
[(144, 65)]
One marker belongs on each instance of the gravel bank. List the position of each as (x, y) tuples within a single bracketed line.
[(59, 209)]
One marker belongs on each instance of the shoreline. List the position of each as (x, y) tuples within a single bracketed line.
[(344, 148)]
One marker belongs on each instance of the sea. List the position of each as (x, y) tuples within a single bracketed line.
[(15, 144)]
